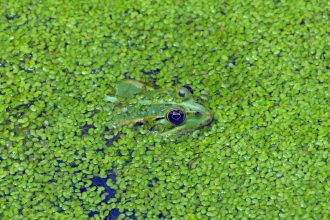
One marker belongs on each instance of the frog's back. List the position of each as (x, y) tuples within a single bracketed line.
[(128, 88)]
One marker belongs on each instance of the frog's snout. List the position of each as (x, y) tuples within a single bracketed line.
[(204, 114), (208, 117)]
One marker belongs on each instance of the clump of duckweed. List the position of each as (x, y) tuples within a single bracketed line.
[(263, 64)]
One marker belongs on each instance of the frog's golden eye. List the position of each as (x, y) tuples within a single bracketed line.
[(176, 116), (185, 92)]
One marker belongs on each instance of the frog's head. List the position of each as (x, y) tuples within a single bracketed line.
[(165, 111), (183, 115)]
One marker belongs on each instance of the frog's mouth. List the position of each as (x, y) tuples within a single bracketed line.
[(159, 118)]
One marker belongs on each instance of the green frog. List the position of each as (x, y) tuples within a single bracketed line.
[(165, 111)]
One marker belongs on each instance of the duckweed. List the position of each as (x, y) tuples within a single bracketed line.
[(264, 66)]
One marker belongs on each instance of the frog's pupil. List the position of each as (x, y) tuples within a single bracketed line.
[(176, 116)]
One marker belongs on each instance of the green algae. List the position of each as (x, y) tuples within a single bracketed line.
[(264, 64)]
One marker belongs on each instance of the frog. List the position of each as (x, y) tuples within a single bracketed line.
[(165, 111)]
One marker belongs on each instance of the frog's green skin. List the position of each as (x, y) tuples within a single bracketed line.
[(135, 103)]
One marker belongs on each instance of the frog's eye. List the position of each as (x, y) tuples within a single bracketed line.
[(185, 92), (176, 117)]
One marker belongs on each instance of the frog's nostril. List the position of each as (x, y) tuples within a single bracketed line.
[(198, 114)]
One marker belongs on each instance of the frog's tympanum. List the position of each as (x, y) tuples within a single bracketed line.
[(164, 111)]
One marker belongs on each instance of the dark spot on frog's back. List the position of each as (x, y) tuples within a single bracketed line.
[(138, 124)]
